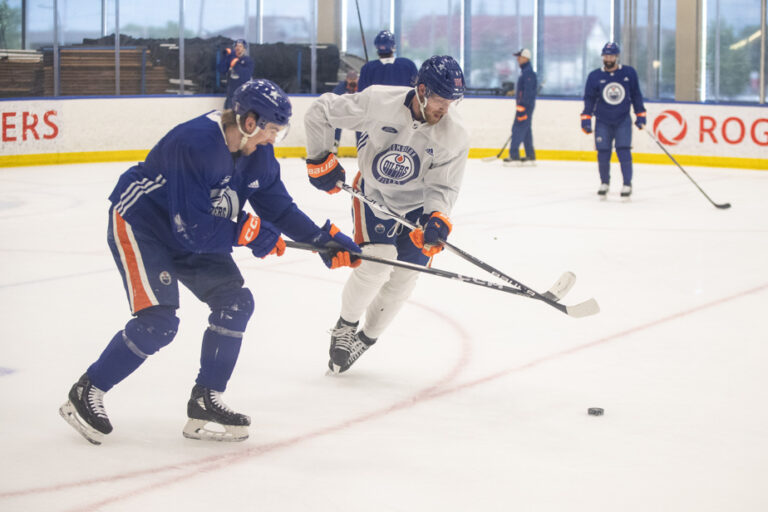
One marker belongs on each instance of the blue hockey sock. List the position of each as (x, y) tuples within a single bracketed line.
[(230, 312), (604, 165), (625, 159), (151, 329), (217, 359), (114, 364)]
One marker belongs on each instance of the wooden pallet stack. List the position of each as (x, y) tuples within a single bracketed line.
[(91, 72), (21, 73)]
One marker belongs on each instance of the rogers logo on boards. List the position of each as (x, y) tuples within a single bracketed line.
[(732, 130), (682, 127), (23, 126)]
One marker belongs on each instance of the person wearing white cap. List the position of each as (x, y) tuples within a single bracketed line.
[(525, 94)]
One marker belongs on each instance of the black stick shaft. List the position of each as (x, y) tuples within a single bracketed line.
[(504, 147), (524, 290), (362, 34), (427, 270), (721, 206)]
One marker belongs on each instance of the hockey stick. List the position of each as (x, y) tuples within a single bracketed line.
[(550, 297), (362, 34), (722, 206), (579, 310), (557, 292), (498, 155)]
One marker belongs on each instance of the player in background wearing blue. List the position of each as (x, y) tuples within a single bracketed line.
[(411, 157), (237, 66), (346, 86), (388, 70), (525, 95), (608, 94), (175, 218)]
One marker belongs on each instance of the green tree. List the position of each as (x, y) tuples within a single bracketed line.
[(10, 26)]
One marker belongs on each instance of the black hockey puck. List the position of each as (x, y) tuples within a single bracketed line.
[(595, 411)]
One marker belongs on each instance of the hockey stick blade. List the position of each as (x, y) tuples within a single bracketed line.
[(721, 206), (501, 151), (561, 287), (586, 308), (524, 290), (579, 310)]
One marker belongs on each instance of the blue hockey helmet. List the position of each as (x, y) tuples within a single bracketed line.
[(442, 75), (241, 41), (384, 42), (611, 49), (264, 98)]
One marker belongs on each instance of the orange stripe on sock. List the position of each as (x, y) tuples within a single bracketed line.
[(357, 212), (140, 298)]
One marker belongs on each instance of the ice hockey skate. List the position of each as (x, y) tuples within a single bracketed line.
[(512, 162), (346, 346), (603, 190), (626, 191), (84, 411), (210, 419)]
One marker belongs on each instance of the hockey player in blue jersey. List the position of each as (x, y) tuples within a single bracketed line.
[(175, 218), (608, 95), (388, 70), (237, 66)]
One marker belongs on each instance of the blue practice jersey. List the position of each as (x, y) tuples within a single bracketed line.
[(170, 194), (608, 95), (190, 189), (391, 71)]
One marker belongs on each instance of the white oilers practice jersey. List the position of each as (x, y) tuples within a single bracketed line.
[(405, 163)]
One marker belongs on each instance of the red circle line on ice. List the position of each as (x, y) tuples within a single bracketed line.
[(446, 385)]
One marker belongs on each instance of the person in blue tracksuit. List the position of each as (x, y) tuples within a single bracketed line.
[(237, 66), (608, 94), (522, 131), (175, 218)]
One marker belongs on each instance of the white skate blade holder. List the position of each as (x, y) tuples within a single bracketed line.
[(204, 430), (69, 413)]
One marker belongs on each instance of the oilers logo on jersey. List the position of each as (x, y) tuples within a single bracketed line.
[(396, 165), (614, 93), (224, 203)]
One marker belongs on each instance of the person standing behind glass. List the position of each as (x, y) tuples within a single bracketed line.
[(237, 66), (388, 70), (522, 129)]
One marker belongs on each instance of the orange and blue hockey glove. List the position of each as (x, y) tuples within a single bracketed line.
[(430, 238), (324, 172), (641, 120), (586, 123), (338, 250), (261, 237), (521, 115)]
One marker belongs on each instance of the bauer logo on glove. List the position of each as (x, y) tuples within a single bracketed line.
[(325, 172)]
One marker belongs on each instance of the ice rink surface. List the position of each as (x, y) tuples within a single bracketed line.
[(474, 399)]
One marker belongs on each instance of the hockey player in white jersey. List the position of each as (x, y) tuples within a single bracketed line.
[(412, 155)]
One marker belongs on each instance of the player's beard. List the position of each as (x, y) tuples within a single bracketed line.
[(610, 65)]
